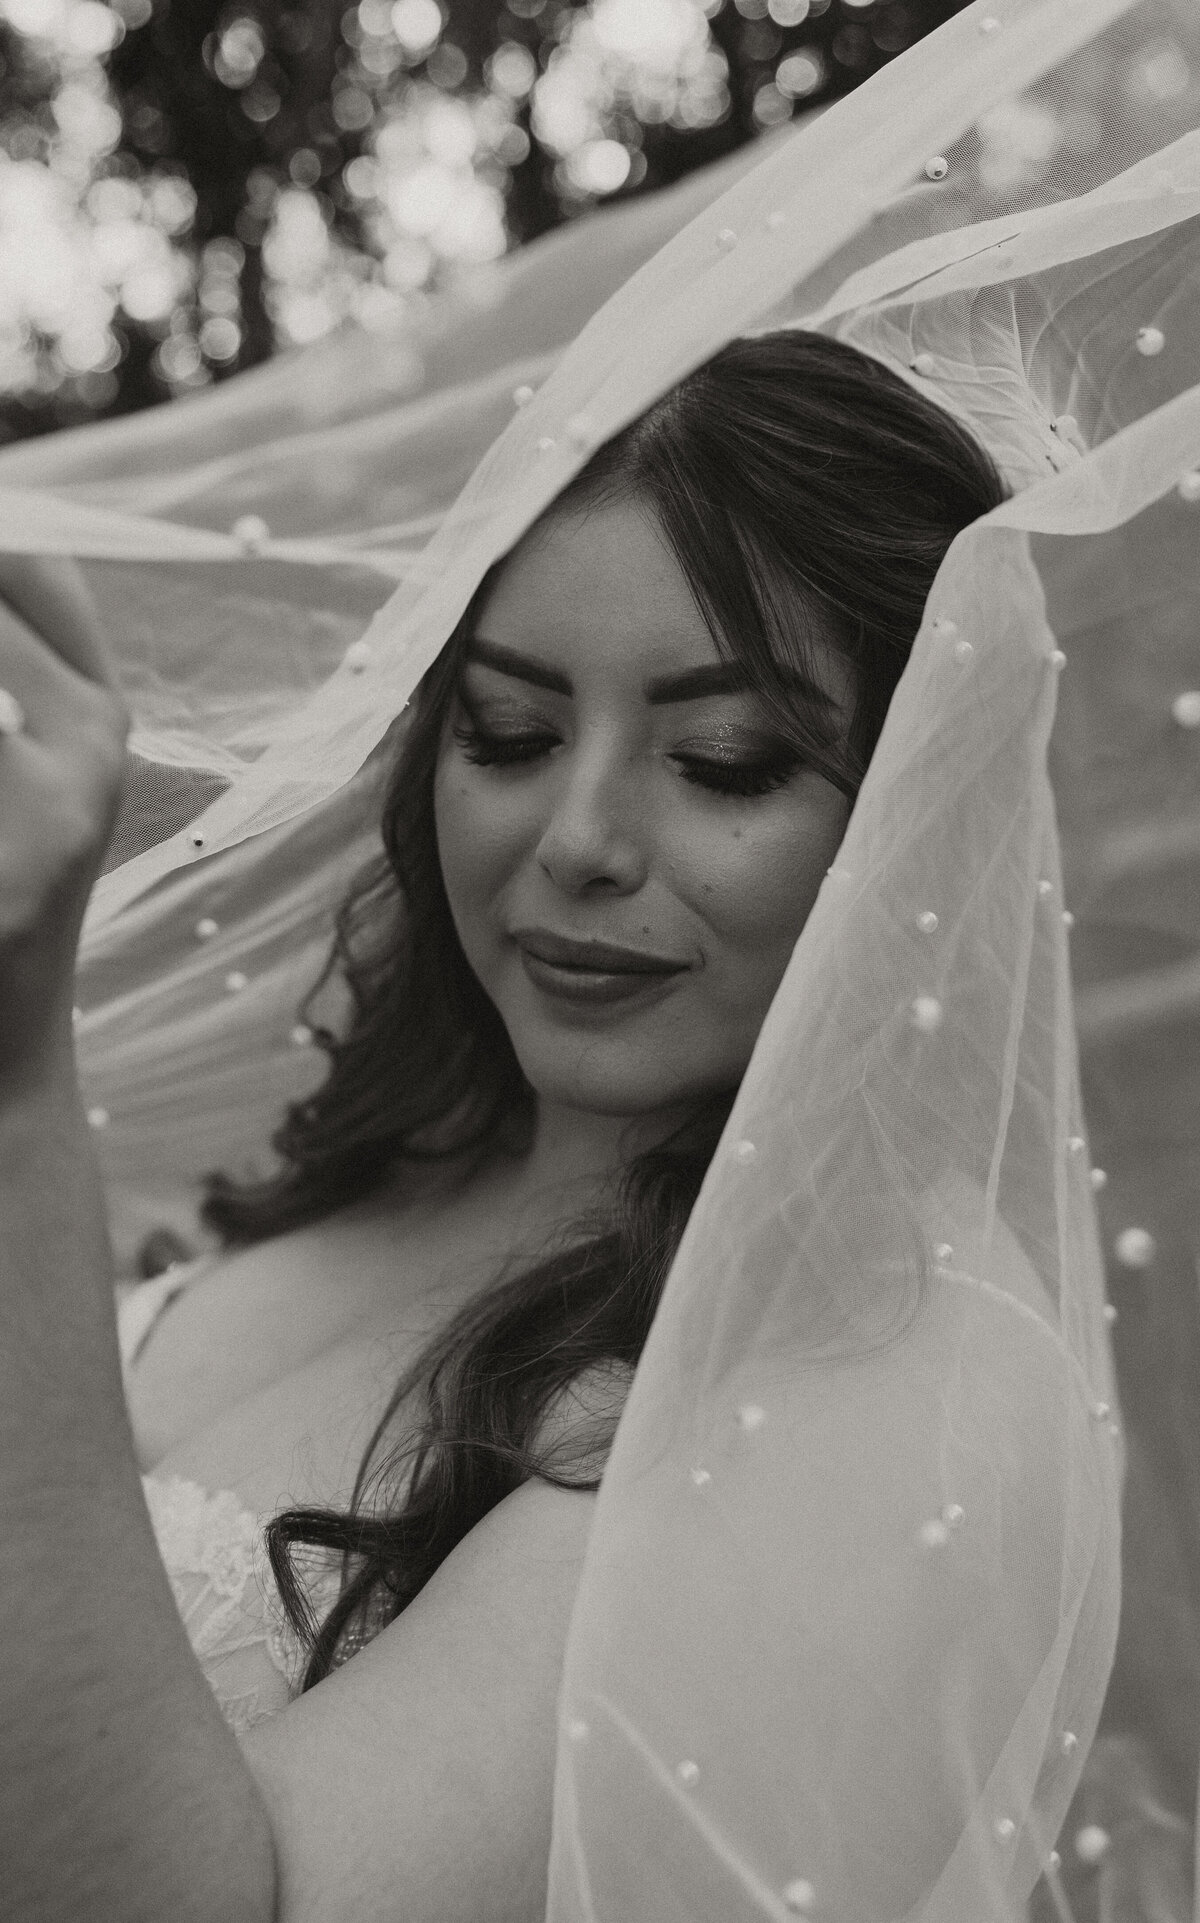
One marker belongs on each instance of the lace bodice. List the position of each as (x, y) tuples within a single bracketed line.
[(215, 1555), (214, 1551)]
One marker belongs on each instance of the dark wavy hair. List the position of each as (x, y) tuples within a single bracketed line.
[(809, 495)]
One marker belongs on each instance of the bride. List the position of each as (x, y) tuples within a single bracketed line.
[(668, 1369), (622, 787)]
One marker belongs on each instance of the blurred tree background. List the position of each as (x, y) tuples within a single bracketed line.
[(188, 185)]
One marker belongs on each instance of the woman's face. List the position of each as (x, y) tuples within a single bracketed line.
[(629, 848)]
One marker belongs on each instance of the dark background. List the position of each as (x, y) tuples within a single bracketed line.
[(217, 136)]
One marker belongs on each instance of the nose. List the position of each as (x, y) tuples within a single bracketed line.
[(590, 843)]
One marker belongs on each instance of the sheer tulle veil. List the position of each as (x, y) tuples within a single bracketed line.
[(845, 1641)]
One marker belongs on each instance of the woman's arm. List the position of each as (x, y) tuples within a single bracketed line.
[(412, 1786), (51, 594), (122, 1791), (415, 1785)]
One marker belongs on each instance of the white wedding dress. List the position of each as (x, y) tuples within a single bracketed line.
[(215, 1555)]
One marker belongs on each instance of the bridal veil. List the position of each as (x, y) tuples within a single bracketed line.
[(844, 1646)]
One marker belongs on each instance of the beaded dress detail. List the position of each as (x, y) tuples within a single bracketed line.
[(215, 1555), (214, 1550)]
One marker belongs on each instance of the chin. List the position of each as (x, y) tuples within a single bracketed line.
[(578, 1076)]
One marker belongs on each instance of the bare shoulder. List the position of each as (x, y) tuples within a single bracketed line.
[(576, 1432), (416, 1782)]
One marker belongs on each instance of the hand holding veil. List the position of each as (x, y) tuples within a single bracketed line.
[(851, 1598)]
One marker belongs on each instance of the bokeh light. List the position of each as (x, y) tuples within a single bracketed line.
[(173, 209), (80, 250), (621, 65), (799, 75)]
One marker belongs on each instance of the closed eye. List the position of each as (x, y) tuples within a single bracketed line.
[(502, 750), (740, 778)]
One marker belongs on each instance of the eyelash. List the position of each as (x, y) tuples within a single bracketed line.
[(743, 780)]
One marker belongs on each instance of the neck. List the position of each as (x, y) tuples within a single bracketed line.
[(572, 1165), (577, 1149)]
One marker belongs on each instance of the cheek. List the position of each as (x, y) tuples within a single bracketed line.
[(480, 842), (755, 883)]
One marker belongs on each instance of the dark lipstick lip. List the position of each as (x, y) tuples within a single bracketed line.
[(593, 957)]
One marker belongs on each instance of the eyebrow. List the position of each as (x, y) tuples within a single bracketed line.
[(693, 684)]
